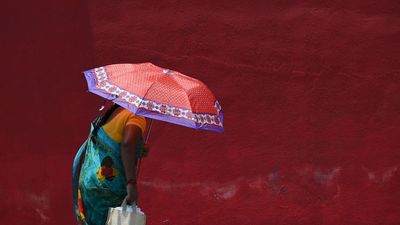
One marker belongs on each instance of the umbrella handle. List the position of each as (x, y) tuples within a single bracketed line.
[(148, 132), (138, 162)]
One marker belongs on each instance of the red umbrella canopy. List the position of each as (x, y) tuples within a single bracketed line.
[(158, 93)]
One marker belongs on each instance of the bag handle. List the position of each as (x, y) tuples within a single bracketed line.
[(124, 205)]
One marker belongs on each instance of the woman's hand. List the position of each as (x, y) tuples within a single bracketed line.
[(146, 149), (132, 193)]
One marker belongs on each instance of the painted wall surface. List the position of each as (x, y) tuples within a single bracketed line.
[(310, 90)]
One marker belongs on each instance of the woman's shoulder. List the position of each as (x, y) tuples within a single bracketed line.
[(126, 112), (131, 117)]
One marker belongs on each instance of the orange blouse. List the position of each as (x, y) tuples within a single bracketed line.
[(116, 126)]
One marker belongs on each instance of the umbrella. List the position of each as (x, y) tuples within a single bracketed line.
[(158, 93)]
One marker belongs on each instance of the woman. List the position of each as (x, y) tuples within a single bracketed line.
[(104, 170)]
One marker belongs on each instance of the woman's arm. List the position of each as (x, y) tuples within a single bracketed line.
[(132, 135)]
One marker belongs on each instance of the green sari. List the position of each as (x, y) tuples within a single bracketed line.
[(98, 177)]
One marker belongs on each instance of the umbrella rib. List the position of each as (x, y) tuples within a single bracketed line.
[(187, 97), (147, 91)]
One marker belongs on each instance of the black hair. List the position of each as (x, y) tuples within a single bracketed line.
[(104, 118)]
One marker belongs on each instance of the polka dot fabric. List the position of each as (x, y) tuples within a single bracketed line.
[(158, 93)]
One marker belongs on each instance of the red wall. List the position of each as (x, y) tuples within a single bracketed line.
[(310, 89)]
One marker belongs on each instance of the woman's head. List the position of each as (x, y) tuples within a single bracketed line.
[(106, 115)]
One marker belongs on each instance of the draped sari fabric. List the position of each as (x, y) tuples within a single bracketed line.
[(98, 177)]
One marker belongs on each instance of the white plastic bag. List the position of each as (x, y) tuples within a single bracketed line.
[(126, 215)]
